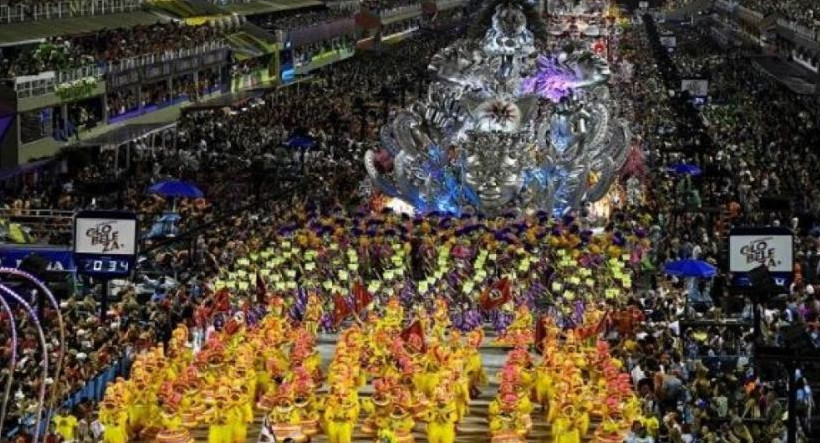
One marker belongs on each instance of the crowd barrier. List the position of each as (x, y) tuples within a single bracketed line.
[(93, 391)]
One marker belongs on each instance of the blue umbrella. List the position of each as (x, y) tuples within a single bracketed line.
[(175, 188), (301, 142), (684, 169), (690, 268)]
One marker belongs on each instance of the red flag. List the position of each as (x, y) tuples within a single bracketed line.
[(261, 289), (340, 309), (414, 337), (540, 334), (361, 298), (601, 327), (496, 295), (222, 300)]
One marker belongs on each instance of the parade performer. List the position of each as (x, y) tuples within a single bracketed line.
[(172, 430), (141, 409), (341, 414), (218, 418), (114, 420), (313, 313), (239, 415), (400, 424), (306, 407), (378, 407), (283, 419), (442, 417), (565, 427), (473, 366), (505, 421)]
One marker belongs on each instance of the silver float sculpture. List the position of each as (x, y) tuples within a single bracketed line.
[(503, 128)]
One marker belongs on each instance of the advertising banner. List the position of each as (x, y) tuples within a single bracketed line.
[(105, 243), (107, 236), (59, 259), (768, 246)]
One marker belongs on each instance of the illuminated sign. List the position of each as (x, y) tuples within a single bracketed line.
[(105, 243)]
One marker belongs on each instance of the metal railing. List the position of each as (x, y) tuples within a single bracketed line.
[(447, 4), (750, 14), (42, 223), (798, 29), (41, 85), (19, 13), (343, 5), (725, 5), (152, 59), (401, 10)]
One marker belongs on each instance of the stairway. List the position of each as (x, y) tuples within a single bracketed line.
[(473, 429)]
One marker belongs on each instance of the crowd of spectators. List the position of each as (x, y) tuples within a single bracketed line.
[(753, 138), (304, 54), (305, 19), (385, 6), (215, 149), (803, 12), (105, 47)]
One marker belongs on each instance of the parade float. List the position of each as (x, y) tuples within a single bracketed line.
[(506, 125)]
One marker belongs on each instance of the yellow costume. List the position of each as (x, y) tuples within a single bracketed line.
[(219, 422), (284, 421), (113, 419), (441, 422), (173, 430), (65, 425), (340, 416)]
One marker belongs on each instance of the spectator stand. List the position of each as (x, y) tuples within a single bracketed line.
[(132, 88), (255, 57), (14, 12), (311, 48), (126, 142), (254, 8)]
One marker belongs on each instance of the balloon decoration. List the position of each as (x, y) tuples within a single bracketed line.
[(503, 129)]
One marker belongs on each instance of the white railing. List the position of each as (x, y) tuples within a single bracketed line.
[(65, 9), (401, 10), (36, 85), (798, 29), (724, 5), (343, 5), (447, 4), (230, 2), (70, 75), (153, 59)]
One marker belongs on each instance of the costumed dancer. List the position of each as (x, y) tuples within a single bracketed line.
[(218, 418), (341, 414), (473, 367), (442, 417), (283, 419), (172, 430), (114, 419)]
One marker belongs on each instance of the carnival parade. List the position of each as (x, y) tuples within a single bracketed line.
[(396, 221)]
